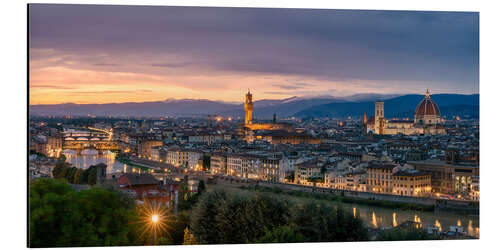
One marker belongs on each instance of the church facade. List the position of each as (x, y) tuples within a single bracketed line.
[(427, 120)]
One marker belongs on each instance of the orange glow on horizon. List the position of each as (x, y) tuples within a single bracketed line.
[(54, 80)]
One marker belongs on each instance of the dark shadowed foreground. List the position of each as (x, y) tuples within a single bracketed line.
[(221, 217)]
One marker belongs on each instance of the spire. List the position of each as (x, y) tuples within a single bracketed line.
[(427, 94)]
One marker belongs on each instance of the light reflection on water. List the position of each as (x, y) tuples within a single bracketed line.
[(372, 216), (394, 221), (376, 217), (374, 220), (89, 157)]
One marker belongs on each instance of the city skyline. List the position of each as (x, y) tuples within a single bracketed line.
[(111, 54)]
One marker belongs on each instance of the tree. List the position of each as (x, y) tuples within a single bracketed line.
[(188, 238), (404, 234), (61, 168), (323, 170), (165, 241), (91, 175), (70, 174), (282, 234), (316, 179), (78, 177), (177, 225), (62, 217), (223, 218), (323, 223), (201, 187), (206, 162)]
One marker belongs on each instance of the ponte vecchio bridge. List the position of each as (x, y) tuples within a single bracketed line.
[(79, 139)]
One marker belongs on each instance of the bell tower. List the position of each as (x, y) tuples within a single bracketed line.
[(379, 117), (365, 124), (248, 108)]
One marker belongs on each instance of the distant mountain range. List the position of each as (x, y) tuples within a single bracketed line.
[(317, 106), (401, 106)]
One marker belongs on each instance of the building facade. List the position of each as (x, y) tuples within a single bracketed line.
[(411, 183), (379, 178), (306, 171)]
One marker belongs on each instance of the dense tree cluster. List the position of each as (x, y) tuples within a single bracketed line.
[(101, 216), (220, 217), (62, 217), (188, 199), (316, 179), (206, 162), (41, 155), (399, 233), (291, 177), (74, 175)]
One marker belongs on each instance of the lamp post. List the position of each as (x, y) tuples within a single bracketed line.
[(154, 219)]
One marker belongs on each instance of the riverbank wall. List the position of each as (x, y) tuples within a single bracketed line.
[(456, 206)]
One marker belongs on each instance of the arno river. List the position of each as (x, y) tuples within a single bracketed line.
[(90, 157), (372, 216), (384, 217)]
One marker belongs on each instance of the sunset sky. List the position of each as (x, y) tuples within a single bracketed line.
[(104, 54)]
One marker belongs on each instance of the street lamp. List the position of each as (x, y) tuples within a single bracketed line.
[(154, 219)]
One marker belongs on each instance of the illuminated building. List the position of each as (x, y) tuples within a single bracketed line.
[(54, 143), (411, 183), (244, 166), (427, 120), (379, 178), (248, 108), (144, 147), (218, 164), (250, 125), (448, 176), (306, 171), (284, 137)]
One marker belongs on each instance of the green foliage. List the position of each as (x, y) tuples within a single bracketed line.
[(164, 241), (61, 168), (282, 234), (206, 162), (92, 175), (201, 187), (319, 222), (62, 158), (323, 170), (223, 218), (316, 179), (177, 226), (187, 199), (70, 173), (33, 152), (62, 217), (404, 234), (78, 177), (188, 238), (74, 175)]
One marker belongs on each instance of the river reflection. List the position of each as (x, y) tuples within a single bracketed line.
[(377, 217), (372, 216), (89, 157)]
